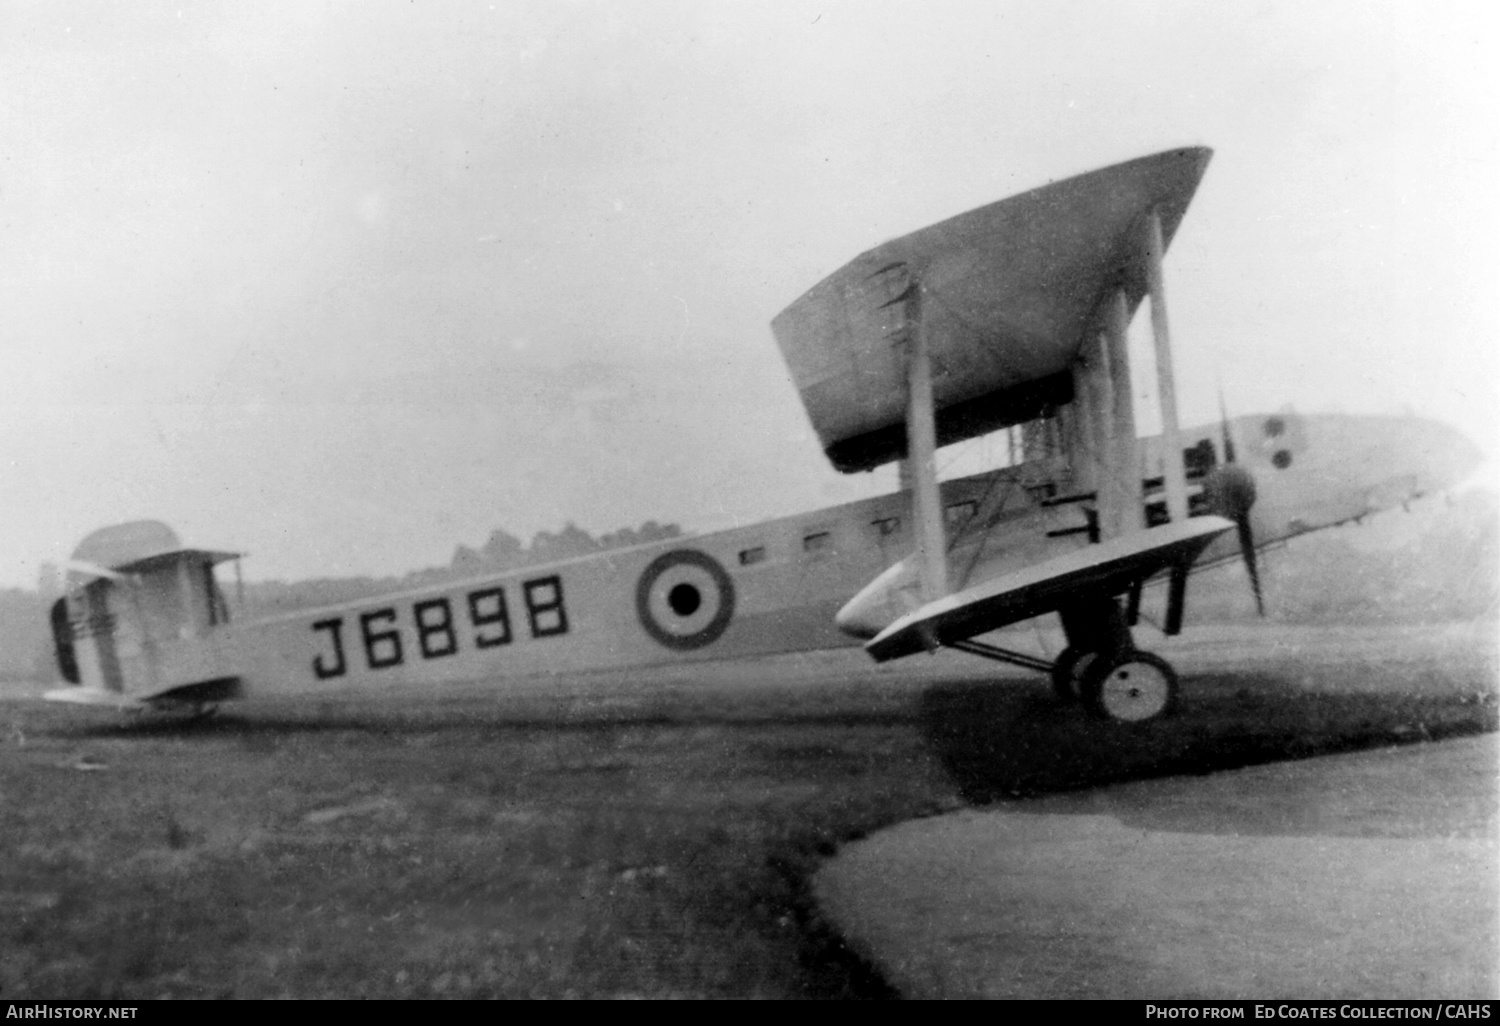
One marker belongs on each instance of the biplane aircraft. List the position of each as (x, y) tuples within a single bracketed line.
[(1011, 318)]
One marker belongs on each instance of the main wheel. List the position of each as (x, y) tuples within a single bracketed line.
[(1132, 688), (1068, 671)]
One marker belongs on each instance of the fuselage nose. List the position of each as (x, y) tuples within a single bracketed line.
[(1464, 457), (1429, 454), (1343, 466)]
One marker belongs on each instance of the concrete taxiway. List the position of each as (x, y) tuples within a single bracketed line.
[(1369, 875)]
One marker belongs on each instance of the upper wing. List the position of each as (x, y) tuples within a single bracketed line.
[(1009, 292), (1107, 568)]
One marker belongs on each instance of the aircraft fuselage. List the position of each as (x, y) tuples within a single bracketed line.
[(772, 587)]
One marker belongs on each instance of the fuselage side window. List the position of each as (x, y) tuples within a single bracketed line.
[(817, 541), (1199, 459)]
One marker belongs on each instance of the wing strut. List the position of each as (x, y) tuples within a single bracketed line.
[(921, 451), (1119, 470), (1175, 477)]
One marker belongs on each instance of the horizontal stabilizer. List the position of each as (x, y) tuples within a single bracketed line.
[(219, 689), (135, 547), (94, 696), (1008, 293), (1107, 568)]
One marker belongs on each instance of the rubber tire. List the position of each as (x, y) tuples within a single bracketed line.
[(1109, 697), (1068, 671)]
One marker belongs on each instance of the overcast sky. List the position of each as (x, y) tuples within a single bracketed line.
[(345, 285)]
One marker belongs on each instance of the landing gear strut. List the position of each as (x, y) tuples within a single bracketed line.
[(1102, 667)]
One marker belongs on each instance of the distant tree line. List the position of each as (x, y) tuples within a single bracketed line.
[(504, 551)]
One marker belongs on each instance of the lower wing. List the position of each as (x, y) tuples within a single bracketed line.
[(1104, 569)]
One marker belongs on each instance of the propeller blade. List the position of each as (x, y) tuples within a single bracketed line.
[(1224, 427), (1247, 549), (1233, 492)]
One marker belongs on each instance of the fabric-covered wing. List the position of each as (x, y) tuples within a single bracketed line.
[(1007, 293), (1107, 568)]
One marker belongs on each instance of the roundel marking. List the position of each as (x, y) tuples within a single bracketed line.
[(684, 599)]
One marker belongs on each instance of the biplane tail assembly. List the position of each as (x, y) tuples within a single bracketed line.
[(138, 626)]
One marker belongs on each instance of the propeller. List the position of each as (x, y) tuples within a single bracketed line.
[(1229, 490)]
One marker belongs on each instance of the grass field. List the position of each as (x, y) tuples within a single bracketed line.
[(631, 834)]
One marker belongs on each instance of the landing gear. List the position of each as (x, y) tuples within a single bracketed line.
[(1101, 665), (1069, 670), (1130, 688)]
